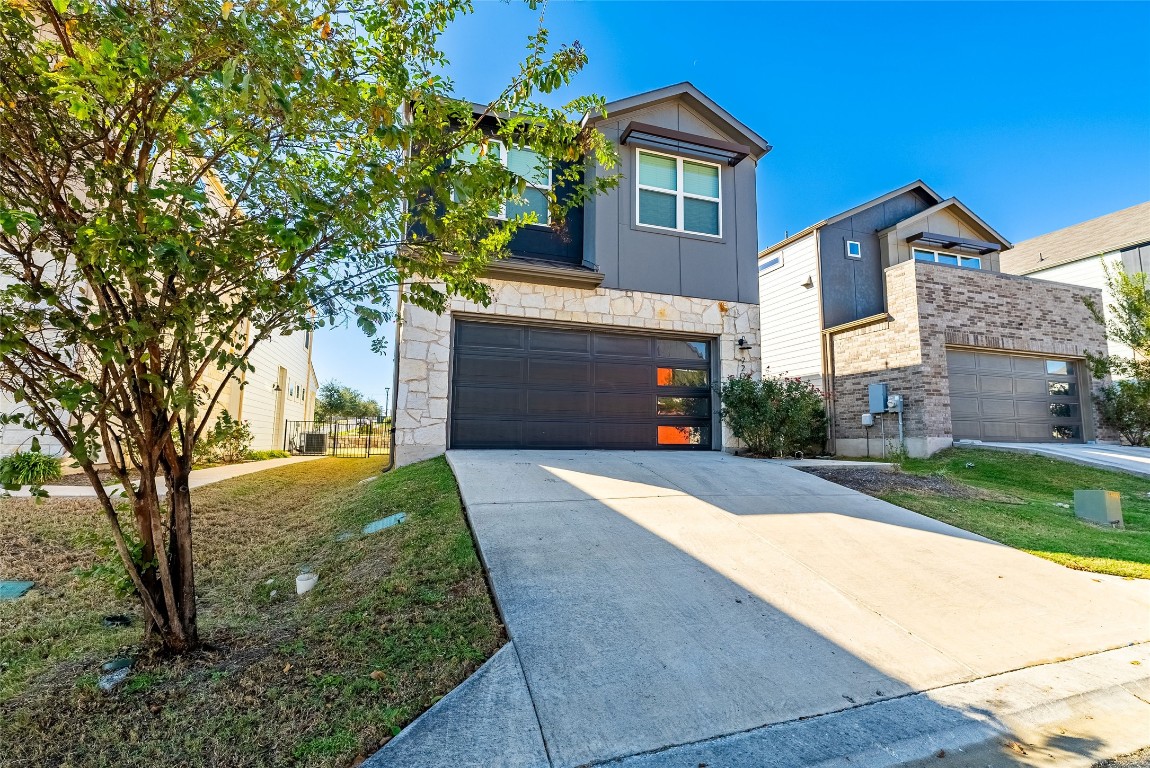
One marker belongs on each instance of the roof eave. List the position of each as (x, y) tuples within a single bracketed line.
[(697, 98)]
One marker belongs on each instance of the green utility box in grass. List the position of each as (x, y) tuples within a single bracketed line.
[(1099, 507)]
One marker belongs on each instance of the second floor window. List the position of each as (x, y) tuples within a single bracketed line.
[(527, 165), (973, 262), (678, 194)]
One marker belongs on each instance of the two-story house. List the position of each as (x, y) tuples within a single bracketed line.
[(611, 331), (1082, 253), (906, 290)]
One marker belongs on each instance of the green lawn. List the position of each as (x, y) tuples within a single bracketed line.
[(398, 619), (1021, 510)]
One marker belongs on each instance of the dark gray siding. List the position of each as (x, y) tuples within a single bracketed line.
[(853, 288), (633, 257)]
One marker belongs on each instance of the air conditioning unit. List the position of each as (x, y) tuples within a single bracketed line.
[(315, 442)]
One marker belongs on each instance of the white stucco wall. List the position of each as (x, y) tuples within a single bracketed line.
[(425, 344)]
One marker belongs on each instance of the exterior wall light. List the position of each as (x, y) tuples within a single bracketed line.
[(744, 345)]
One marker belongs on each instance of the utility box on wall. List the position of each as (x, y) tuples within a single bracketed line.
[(876, 394), (1099, 507)]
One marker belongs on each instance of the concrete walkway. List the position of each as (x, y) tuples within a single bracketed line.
[(678, 609), (1120, 458), (199, 477)]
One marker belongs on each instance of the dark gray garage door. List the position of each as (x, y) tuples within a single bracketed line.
[(519, 386), (1014, 398)]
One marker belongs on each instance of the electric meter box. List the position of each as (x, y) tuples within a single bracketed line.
[(1099, 507), (877, 394)]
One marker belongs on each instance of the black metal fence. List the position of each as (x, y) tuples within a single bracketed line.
[(350, 438)]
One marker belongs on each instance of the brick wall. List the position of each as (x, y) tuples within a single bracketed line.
[(932, 306)]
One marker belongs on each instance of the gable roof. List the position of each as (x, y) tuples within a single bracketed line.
[(1112, 232), (953, 202), (694, 98), (918, 186)]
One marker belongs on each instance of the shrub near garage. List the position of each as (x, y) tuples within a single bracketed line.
[(776, 416)]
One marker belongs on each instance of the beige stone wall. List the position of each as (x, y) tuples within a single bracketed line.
[(425, 343), (932, 307)]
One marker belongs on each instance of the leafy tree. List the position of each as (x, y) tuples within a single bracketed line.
[(338, 401), (1125, 404), (174, 170)]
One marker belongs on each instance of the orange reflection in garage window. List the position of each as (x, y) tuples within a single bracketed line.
[(664, 378), (680, 435)]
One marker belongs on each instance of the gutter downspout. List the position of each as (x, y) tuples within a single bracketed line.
[(395, 378)]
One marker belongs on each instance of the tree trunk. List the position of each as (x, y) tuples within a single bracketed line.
[(180, 554), (166, 571)]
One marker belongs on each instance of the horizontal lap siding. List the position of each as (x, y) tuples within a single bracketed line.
[(789, 314)]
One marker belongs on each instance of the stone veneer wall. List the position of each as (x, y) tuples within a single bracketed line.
[(933, 306), (425, 343)]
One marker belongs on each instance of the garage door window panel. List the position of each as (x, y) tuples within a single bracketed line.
[(682, 377), (684, 406), (677, 349), (672, 435)]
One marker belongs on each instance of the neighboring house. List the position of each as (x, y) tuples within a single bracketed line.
[(281, 388), (611, 331), (907, 290), (1076, 254)]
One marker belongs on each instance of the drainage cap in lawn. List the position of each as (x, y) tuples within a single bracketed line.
[(386, 522), (13, 590)]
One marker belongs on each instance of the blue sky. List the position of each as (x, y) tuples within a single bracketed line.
[(1035, 115)]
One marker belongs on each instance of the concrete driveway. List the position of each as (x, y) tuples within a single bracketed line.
[(1121, 458), (656, 600)]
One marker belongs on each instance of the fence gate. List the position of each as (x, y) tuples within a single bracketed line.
[(349, 438)]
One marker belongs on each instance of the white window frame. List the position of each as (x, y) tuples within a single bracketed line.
[(935, 254), (503, 154), (679, 194), (771, 263), (848, 251)]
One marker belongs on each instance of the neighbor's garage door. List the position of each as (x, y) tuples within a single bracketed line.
[(518, 386), (1013, 398)]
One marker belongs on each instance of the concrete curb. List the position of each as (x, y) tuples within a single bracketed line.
[(488, 721), (1074, 712)]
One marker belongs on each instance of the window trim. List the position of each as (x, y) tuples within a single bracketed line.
[(935, 254), (848, 249), (679, 194), (771, 263), (503, 155)]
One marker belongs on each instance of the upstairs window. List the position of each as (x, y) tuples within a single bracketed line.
[(940, 257), (678, 194), (527, 165)]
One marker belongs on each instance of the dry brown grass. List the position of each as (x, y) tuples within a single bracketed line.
[(399, 618)]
